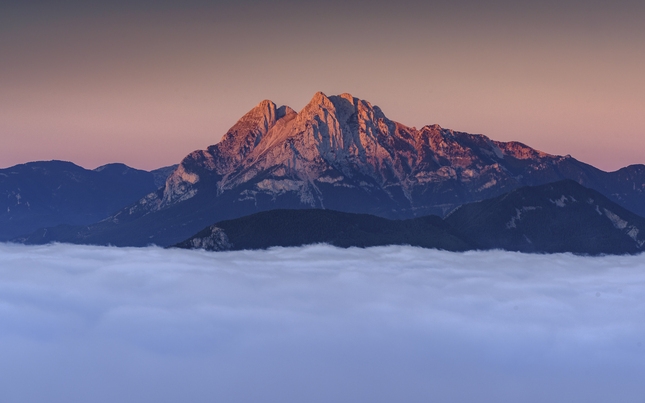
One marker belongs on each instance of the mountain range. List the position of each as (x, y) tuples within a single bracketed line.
[(48, 193), (338, 153)]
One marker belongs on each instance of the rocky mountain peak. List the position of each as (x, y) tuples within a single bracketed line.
[(341, 108), (341, 134), (319, 98), (262, 117), (342, 142)]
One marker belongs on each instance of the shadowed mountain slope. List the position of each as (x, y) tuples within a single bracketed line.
[(557, 217), (46, 193), (303, 227)]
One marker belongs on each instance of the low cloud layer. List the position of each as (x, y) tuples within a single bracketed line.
[(318, 324)]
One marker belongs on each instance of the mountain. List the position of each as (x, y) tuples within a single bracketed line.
[(340, 153), (558, 217), (48, 193), (303, 227)]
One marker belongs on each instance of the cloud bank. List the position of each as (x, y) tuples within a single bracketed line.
[(318, 324)]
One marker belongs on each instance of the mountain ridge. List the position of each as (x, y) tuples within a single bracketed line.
[(45, 193), (556, 217), (308, 226), (405, 157)]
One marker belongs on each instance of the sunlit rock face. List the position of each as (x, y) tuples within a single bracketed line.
[(342, 146), (343, 153)]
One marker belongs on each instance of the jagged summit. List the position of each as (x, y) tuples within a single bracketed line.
[(341, 142)]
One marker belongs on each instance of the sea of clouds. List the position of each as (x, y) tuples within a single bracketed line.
[(318, 324)]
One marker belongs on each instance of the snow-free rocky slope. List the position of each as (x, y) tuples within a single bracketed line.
[(46, 193), (344, 154)]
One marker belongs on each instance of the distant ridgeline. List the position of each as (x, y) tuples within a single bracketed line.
[(47, 193), (342, 154)]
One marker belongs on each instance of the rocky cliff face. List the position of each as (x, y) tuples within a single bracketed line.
[(344, 145)]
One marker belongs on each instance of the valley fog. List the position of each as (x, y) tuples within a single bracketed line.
[(318, 324)]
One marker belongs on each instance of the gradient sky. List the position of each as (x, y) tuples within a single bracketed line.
[(145, 83)]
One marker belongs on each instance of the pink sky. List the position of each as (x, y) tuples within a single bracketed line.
[(146, 88)]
